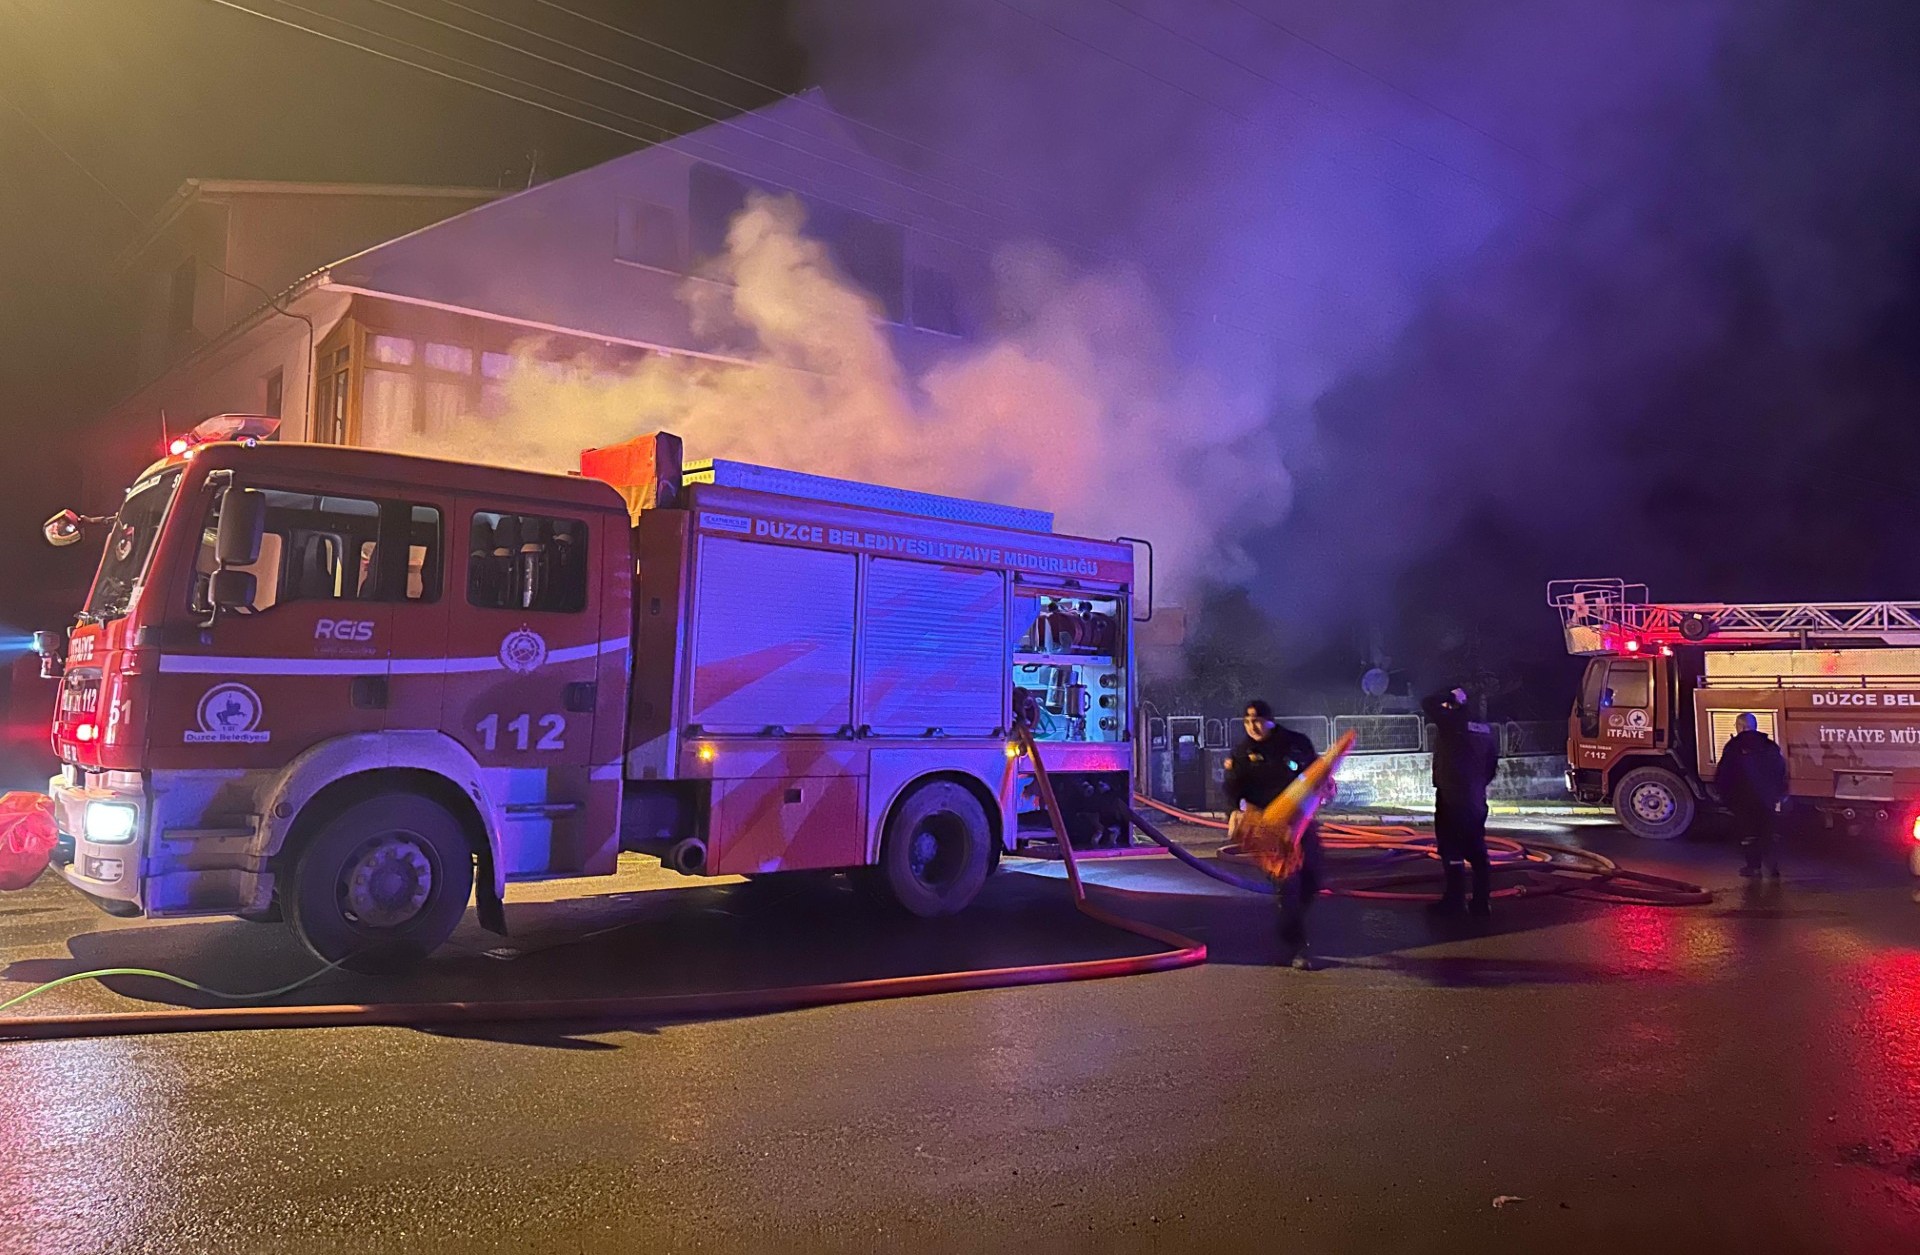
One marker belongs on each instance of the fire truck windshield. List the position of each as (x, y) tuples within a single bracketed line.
[(129, 544)]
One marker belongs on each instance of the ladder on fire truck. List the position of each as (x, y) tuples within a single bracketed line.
[(1610, 616)]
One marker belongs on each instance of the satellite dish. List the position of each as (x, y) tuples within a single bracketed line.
[(1374, 683)]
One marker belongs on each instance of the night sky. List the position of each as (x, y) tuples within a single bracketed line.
[(144, 94), (1518, 290)]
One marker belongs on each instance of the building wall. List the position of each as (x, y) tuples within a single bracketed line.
[(609, 249), (271, 238), (228, 378)]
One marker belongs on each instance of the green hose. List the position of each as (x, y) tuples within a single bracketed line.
[(182, 981)]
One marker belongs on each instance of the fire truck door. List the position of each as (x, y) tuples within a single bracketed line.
[(1627, 711), (306, 664), (523, 681)]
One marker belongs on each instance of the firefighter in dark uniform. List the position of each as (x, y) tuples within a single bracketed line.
[(1465, 757), (1266, 761), (1752, 780)]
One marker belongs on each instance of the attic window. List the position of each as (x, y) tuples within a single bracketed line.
[(648, 235)]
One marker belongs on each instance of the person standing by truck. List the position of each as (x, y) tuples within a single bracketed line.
[(1465, 758), (1267, 760), (1752, 779)]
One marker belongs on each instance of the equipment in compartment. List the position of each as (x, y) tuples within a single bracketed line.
[(1066, 665)]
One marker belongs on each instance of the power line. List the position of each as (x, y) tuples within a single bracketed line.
[(720, 101), (139, 219), (77, 164), (690, 143), (672, 104), (836, 114), (661, 132)]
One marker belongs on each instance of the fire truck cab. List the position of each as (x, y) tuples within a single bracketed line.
[(357, 689)]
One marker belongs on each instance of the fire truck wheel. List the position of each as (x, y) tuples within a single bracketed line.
[(1654, 803), (382, 884), (934, 857)]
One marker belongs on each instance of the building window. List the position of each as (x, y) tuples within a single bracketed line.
[(714, 197), (648, 235), (180, 299), (414, 388), (872, 253), (527, 562), (934, 307), (869, 251), (276, 388), (330, 394)]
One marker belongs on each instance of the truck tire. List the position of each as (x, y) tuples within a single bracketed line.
[(1654, 803), (936, 850), (381, 884)]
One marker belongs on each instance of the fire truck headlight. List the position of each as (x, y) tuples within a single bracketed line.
[(110, 823), (705, 753)]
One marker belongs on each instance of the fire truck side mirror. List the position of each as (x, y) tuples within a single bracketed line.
[(232, 590), (62, 529), (243, 521)]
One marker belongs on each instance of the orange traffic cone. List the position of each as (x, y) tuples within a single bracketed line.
[(1271, 835)]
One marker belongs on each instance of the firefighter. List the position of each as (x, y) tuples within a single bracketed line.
[(1752, 779), (1265, 762), (1465, 757)]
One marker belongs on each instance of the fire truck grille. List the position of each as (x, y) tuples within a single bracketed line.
[(79, 696)]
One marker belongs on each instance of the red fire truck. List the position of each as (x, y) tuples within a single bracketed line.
[(354, 689), (1837, 685)]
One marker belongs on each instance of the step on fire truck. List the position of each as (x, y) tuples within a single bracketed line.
[(354, 689), (1837, 685)]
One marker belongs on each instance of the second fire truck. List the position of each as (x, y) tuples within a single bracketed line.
[(1836, 684)]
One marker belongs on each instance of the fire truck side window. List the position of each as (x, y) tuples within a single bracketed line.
[(1631, 683), (527, 562), (328, 548)]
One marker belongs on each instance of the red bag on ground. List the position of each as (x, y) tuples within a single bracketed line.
[(27, 837)]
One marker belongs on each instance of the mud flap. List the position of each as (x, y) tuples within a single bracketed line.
[(488, 906)]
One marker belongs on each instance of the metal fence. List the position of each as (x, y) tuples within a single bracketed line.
[(1382, 734), (1538, 736), (1372, 734)]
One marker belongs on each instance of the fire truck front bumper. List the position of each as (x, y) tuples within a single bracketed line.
[(102, 825), (142, 846)]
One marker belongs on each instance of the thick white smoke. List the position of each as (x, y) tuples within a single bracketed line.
[(1077, 406)]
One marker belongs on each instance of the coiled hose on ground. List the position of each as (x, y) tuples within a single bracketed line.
[(1525, 869)]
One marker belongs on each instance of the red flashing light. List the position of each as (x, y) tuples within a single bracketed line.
[(243, 428), (1633, 647), (86, 732), (1666, 651), (1916, 827)]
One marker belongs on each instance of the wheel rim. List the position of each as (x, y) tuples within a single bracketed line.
[(1653, 803), (937, 850), (387, 881)]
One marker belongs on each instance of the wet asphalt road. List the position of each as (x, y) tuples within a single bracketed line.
[(1744, 1076)]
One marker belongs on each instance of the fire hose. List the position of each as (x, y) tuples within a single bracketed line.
[(1181, 951), (1544, 868)]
